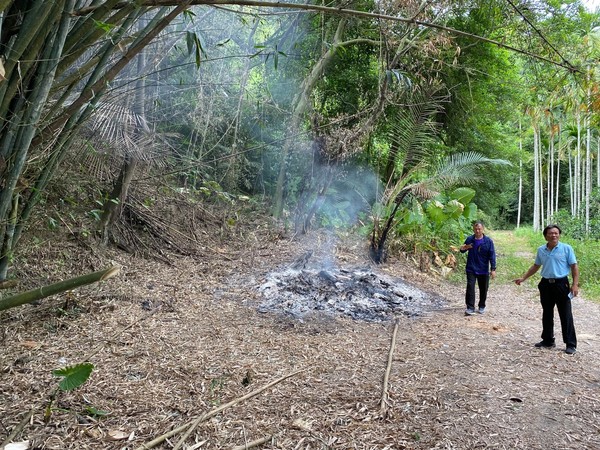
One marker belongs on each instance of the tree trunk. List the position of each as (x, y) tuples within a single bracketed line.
[(520, 193), (7, 246), (114, 205), (377, 247), (301, 106), (536, 180), (520, 177)]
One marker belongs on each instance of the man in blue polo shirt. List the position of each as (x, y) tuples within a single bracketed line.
[(480, 259), (556, 260)]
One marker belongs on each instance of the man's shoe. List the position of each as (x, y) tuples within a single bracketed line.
[(570, 350), (544, 344), (469, 312), (481, 310)]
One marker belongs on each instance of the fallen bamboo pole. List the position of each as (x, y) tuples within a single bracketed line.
[(252, 444), (61, 286), (383, 409), (16, 430)]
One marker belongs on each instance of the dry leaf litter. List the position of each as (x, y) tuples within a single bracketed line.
[(172, 342)]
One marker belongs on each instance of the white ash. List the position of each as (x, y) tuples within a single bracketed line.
[(360, 293)]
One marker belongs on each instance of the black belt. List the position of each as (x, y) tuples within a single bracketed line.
[(555, 280)]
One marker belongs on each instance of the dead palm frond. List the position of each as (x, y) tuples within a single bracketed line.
[(117, 130)]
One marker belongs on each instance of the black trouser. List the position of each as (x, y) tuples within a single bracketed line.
[(556, 292), (483, 281)]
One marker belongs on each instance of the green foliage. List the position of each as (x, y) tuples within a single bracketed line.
[(213, 190), (436, 225), (487, 94), (73, 376), (194, 46), (351, 84), (52, 223), (95, 412), (586, 252), (104, 26), (574, 227), (96, 214)]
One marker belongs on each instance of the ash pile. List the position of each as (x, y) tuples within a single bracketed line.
[(361, 293)]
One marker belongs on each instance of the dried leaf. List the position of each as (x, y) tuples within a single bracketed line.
[(24, 445), (117, 435), (303, 425)]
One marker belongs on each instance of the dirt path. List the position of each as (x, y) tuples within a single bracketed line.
[(175, 342)]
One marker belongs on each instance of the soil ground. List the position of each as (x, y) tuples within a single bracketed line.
[(173, 342)]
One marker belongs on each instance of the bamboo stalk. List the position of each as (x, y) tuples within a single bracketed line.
[(383, 409), (61, 286), (16, 430)]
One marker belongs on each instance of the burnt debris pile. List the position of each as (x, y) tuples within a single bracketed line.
[(360, 293)]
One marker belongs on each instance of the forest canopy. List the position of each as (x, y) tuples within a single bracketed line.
[(405, 120)]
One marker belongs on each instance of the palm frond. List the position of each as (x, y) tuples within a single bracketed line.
[(461, 169), (464, 168), (413, 128), (117, 129)]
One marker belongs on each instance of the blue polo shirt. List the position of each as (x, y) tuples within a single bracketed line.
[(556, 263)]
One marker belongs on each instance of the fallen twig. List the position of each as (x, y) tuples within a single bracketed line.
[(191, 426), (383, 410), (255, 443), (16, 430)]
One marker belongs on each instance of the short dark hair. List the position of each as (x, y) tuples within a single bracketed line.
[(548, 227), (478, 222)]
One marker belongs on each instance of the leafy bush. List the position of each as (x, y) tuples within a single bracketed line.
[(438, 225)]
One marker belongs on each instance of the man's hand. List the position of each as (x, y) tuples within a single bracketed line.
[(575, 290), (466, 247), (493, 274)]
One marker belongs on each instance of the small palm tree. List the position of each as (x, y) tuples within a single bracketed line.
[(423, 175), (461, 169), (125, 134)]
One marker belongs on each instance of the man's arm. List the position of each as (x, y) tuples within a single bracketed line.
[(492, 259), (575, 275), (533, 269)]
